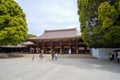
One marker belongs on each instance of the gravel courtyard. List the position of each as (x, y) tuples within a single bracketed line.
[(67, 67)]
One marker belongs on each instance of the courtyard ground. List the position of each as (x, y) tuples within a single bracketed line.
[(67, 67)]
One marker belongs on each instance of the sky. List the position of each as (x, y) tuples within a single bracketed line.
[(49, 15)]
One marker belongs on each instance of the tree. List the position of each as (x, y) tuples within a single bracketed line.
[(30, 35), (100, 21), (13, 26), (87, 10), (109, 19)]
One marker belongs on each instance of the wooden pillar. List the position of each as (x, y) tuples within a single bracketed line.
[(22, 50), (43, 45), (69, 44), (37, 48), (69, 51), (76, 46), (85, 49), (51, 47), (60, 46)]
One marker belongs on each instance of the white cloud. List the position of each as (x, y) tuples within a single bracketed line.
[(50, 14)]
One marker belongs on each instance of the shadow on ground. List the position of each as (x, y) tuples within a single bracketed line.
[(87, 62)]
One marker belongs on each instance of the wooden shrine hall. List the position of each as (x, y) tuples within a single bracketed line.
[(63, 41)]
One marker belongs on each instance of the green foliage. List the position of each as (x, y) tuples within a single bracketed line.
[(13, 27), (87, 37), (87, 10), (31, 35), (106, 14), (113, 36), (100, 21)]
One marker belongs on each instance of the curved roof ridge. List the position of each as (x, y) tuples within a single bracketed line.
[(60, 30), (60, 33)]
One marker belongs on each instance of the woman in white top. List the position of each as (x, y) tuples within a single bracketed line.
[(55, 55)]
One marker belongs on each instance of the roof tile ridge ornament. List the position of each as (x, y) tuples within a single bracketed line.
[(59, 30)]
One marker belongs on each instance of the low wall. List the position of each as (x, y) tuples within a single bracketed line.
[(102, 53)]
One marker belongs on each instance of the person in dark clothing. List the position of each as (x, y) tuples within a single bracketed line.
[(115, 56), (111, 56), (53, 52)]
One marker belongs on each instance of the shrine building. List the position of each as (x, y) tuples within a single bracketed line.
[(64, 41)]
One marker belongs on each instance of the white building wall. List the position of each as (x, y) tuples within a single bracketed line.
[(102, 53)]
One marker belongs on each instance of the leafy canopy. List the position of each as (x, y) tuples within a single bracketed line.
[(31, 35), (100, 21), (13, 26)]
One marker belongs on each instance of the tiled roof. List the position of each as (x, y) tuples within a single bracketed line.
[(60, 33), (12, 46)]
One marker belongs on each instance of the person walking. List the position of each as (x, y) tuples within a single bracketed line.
[(110, 57), (56, 55), (115, 56), (53, 52), (69, 51), (41, 54), (32, 58)]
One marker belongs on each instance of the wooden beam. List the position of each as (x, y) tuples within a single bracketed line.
[(51, 45), (43, 45), (76, 46), (37, 48), (69, 44), (60, 46)]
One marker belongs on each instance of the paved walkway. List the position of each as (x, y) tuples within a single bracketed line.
[(74, 67)]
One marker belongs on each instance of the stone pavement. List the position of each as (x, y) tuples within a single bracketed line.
[(67, 67)]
